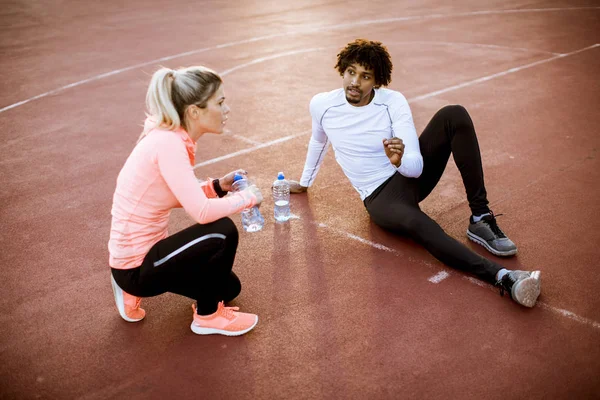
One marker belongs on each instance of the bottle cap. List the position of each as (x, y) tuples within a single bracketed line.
[(237, 177), (280, 176)]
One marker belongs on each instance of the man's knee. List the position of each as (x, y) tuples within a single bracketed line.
[(459, 117), (455, 112)]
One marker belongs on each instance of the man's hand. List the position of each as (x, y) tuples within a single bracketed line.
[(296, 187), (227, 180), (394, 149)]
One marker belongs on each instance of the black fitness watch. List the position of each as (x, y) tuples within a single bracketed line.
[(217, 186)]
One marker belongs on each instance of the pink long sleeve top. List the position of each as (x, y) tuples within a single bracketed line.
[(157, 177)]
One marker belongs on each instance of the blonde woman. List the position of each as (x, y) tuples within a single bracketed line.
[(158, 176)]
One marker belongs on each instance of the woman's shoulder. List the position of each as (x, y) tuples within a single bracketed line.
[(166, 137)]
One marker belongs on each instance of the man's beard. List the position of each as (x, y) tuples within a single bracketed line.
[(352, 101)]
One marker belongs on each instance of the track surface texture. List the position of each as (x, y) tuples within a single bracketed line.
[(347, 310)]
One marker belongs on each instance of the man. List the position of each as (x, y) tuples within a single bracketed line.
[(376, 144)]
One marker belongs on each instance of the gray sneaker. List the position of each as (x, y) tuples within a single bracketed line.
[(524, 286), (487, 233)]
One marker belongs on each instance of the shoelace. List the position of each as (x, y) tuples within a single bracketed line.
[(138, 301), (504, 287), (499, 284), (494, 226), (227, 312)]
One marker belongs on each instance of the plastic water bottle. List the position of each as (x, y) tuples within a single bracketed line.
[(252, 219), (281, 198)]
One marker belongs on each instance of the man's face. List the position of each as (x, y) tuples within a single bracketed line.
[(358, 84)]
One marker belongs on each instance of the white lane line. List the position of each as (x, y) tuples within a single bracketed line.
[(559, 311), (249, 150), (482, 45), (499, 74), (271, 57), (379, 246), (284, 34), (411, 100), (247, 140), (440, 276), (570, 315), (477, 282), (358, 238)]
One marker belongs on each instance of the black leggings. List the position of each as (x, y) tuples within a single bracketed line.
[(395, 204), (195, 262)]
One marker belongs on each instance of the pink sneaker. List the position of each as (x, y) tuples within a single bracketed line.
[(128, 305), (225, 321)]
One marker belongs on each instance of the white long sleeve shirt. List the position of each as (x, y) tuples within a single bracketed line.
[(357, 133)]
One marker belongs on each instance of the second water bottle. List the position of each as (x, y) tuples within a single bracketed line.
[(281, 198)]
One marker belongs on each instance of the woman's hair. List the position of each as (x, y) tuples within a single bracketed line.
[(171, 92), (369, 54)]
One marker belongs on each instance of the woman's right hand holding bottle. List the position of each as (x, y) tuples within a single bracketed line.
[(254, 190)]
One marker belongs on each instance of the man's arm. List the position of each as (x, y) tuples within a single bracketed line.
[(403, 149), (317, 148)]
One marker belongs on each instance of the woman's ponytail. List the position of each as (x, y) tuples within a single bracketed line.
[(159, 99)]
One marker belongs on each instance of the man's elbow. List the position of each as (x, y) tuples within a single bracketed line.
[(412, 167), (409, 173)]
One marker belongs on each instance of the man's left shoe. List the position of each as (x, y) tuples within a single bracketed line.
[(487, 233), (524, 286)]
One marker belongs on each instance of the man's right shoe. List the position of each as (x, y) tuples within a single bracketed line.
[(225, 321), (487, 233), (524, 286), (128, 305)]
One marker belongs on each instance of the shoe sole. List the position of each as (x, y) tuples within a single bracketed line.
[(526, 291), (118, 292), (478, 240), (212, 331)]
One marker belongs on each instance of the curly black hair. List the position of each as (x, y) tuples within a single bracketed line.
[(369, 54)]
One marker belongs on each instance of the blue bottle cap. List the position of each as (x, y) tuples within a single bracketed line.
[(237, 177), (280, 176)]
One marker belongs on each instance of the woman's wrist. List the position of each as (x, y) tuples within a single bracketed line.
[(217, 186)]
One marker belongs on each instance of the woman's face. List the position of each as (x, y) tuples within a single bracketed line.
[(210, 119)]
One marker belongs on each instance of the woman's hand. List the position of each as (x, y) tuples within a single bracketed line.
[(256, 192), (227, 180)]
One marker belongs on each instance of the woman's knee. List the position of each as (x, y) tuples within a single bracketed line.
[(226, 227)]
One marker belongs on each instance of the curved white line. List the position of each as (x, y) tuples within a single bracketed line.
[(271, 57), (499, 74), (250, 149), (292, 33), (483, 45)]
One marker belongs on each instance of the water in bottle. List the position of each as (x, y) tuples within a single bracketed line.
[(252, 219), (281, 198)]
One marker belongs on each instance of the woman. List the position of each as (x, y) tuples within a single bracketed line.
[(157, 177)]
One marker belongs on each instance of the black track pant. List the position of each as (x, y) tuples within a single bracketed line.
[(395, 204), (195, 262)]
